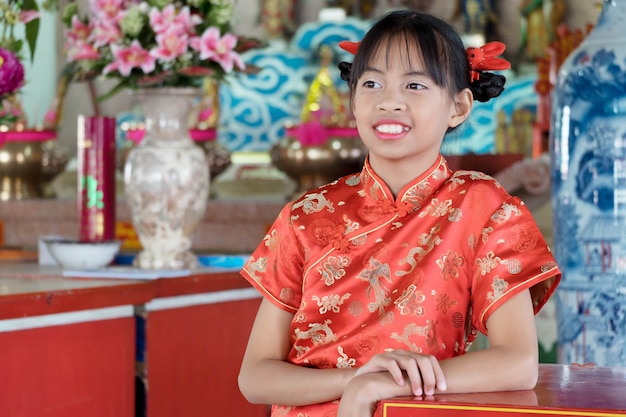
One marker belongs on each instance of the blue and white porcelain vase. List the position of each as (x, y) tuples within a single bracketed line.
[(588, 150)]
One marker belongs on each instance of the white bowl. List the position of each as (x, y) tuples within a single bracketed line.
[(72, 254)]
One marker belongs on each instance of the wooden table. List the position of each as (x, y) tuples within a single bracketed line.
[(70, 347), (561, 391)]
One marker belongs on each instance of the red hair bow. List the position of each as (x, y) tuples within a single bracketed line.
[(349, 46), (484, 59)]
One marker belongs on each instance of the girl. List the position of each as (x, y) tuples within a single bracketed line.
[(375, 285)]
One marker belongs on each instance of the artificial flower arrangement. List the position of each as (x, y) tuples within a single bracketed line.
[(154, 43), (12, 13)]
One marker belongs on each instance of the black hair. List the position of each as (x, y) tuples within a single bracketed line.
[(441, 48)]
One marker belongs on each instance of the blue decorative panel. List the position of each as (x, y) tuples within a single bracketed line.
[(255, 108), (478, 133)]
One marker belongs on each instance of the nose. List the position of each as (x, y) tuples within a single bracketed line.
[(391, 101)]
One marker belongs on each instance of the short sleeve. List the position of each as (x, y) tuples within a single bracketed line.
[(275, 266), (511, 256)]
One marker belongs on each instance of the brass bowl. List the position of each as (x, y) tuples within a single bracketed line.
[(314, 165), (27, 166)]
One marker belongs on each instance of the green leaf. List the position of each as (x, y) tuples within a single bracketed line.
[(32, 27)]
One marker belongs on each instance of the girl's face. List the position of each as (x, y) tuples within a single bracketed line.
[(401, 114)]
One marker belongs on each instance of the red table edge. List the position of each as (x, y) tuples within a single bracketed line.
[(550, 380), (134, 292)]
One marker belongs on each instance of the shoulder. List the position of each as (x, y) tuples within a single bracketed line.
[(327, 199), (476, 184)]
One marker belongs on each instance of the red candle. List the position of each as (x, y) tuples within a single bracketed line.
[(96, 178)]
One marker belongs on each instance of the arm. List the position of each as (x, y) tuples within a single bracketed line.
[(510, 363), (266, 378)]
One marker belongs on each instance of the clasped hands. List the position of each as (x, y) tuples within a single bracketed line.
[(387, 375)]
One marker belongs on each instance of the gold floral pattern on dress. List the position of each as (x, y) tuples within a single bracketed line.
[(450, 263), (498, 286), (343, 361), (489, 262), (318, 333), (427, 241), (437, 208), (356, 308), (376, 275), (364, 271), (410, 302), (271, 240), (505, 212), (514, 266), (353, 180), (330, 303), (314, 203), (413, 329), (255, 266), (334, 268), (444, 303)]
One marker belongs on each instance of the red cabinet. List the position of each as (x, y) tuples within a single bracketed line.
[(68, 346), (68, 364), (194, 346)]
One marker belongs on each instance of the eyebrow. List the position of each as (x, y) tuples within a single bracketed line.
[(410, 73)]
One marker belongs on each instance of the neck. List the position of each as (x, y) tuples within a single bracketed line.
[(397, 174)]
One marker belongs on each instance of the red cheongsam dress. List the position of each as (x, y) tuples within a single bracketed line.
[(363, 272)]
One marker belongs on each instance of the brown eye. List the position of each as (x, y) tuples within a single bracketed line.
[(416, 86), (371, 84)]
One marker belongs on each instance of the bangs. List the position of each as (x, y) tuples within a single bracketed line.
[(420, 40), (408, 49)]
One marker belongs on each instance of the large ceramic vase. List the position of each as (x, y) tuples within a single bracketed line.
[(166, 181), (588, 149)]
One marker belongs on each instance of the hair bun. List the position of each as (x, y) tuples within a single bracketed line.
[(346, 70), (488, 86)]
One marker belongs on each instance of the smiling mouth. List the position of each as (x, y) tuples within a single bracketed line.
[(391, 129)]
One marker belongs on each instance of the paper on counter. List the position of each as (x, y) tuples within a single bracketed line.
[(128, 272)]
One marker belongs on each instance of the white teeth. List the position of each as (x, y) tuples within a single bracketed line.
[(392, 129)]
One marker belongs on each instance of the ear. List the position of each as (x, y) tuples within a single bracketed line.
[(463, 103)]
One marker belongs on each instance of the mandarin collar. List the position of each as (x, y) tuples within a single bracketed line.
[(414, 194)]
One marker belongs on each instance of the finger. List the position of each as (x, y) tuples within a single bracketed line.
[(386, 362), (439, 375), (396, 372), (429, 380), (409, 363), (415, 378)]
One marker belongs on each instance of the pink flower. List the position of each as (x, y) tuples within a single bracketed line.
[(78, 30), (218, 49), (188, 21), (28, 15), (127, 58), (105, 33), (170, 46), (107, 10), (168, 20), (82, 50), (11, 72)]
